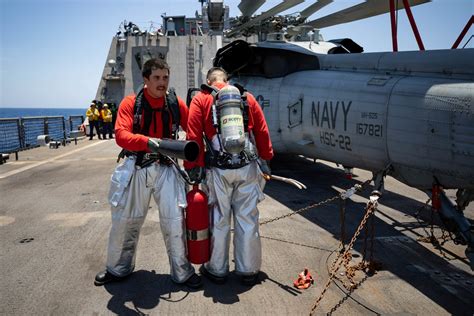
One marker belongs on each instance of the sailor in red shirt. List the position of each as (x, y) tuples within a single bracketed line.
[(233, 173), (140, 177)]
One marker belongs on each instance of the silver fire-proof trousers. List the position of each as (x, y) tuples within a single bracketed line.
[(235, 193), (130, 193)]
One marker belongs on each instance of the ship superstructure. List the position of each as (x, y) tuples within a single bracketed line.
[(187, 44)]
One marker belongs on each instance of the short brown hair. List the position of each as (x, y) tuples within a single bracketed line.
[(152, 64), (216, 73)]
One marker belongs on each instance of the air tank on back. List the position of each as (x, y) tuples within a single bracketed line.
[(229, 106)]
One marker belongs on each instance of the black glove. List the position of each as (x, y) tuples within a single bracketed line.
[(264, 166), (197, 174), (154, 144)]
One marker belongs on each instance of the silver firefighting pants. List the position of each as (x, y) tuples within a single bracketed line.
[(130, 193), (235, 192)]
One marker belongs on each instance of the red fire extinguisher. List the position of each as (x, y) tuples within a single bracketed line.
[(197, 226)]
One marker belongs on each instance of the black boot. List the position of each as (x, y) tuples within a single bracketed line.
[(212, 277), (105, 276), (194, 282), (249, 280)]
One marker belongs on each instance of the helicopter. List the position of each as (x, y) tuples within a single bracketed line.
[(408, 114)]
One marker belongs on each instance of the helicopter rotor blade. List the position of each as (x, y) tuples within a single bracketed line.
[(248, 7), (295, 29), (360, 11), (314, 8), (286, 4)]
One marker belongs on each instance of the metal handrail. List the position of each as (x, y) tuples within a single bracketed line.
[(21, 133)]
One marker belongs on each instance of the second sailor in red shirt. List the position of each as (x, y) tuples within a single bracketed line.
[(237, 148)]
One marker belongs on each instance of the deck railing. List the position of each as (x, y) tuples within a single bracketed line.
[(17, 134)]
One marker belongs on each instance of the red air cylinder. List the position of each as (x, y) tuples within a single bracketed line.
[(197, 226)]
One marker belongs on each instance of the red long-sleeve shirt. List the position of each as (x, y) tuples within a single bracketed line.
[(124, 124), (200, 121)]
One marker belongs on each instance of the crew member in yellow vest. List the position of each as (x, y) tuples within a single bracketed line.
[(107, 117), (93, 117)]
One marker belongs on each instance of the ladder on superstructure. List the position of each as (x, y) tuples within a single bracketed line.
[(190, 65)]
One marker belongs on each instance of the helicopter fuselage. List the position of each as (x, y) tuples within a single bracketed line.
[(412, 111)]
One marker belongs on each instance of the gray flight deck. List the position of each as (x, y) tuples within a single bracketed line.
[(55, 220)]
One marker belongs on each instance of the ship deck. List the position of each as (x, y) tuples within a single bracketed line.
[(55, 221)]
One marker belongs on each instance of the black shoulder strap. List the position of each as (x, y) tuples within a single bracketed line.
[(245, 112), (240, 87), (210, 89), (213, 91), (140, 101), (140, 104), (142, 108), (172, 105)]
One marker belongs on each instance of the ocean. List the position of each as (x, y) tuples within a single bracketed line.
[(26, 112)]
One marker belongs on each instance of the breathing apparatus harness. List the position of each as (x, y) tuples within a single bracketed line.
[(230, 118), (142, 108)]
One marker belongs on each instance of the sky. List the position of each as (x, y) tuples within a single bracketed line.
[(53, 52)]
